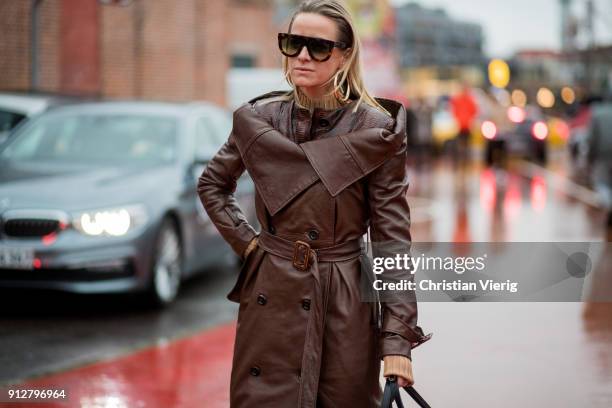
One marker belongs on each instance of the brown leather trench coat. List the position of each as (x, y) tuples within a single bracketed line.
[(304, 336)]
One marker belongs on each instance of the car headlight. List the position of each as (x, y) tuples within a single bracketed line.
[(115, 221)]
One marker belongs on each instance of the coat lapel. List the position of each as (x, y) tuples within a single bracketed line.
[(281, 169), (341, 161), (278, 166)]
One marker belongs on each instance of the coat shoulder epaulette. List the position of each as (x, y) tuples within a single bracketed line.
[(269, 97), (376, 118), (268, 104)]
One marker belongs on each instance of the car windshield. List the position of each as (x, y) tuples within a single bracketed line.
[(96, 139), (9, 120)]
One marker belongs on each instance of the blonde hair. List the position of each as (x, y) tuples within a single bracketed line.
[(350, 82)]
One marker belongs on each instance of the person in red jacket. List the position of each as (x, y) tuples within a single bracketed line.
[(464, 110)]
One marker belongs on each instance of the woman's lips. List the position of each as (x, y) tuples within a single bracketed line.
[(302, 69)]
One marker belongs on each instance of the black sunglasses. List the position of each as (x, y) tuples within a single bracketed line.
[(319, 49)]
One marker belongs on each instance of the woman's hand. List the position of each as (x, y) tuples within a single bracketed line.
[(401, 367), (250, 247)]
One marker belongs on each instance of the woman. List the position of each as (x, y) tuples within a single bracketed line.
[(328, 160)]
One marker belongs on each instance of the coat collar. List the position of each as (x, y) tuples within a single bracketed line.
[(281, 169)]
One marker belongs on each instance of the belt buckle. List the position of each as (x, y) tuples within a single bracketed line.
[(301, 255)]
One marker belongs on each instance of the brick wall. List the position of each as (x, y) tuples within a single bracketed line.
[(257, 39), (79, 51), (211, 51), (119, 51), (173, 50)]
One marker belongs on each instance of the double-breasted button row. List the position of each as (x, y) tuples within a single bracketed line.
[(272, 230), (263, 299), (313, 234), (324, 123), (255, 371)]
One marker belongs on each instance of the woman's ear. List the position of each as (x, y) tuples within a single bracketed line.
[(345, 56)]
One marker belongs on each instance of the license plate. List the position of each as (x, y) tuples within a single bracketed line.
[(17, 258)]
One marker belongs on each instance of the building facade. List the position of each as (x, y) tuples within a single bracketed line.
[(163, 50), (429, 37)]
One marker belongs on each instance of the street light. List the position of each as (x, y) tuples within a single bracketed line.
[(519, 98), (545, 98), (499, 73), (568, 95)]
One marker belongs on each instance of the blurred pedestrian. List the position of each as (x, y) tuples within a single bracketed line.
[(599, 153), (328, 160), (423, 129), (464, 110)]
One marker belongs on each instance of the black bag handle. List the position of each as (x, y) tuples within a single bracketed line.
[(392, 394)]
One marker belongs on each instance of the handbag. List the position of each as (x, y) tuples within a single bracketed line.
[(392, 394)]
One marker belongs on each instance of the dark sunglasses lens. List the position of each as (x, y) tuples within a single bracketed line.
[(290, 45), (320, 50)]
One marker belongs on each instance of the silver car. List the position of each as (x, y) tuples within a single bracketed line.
[(101, 197)]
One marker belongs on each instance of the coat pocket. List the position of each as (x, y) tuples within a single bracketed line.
[(368, 293), (245, 269)]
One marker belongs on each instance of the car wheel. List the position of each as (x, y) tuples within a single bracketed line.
[(488, 155), (502, 155), (541, 155), (167, 266), (495, 153)]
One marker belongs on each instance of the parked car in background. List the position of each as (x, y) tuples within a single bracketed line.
[(526, 137), (17, 107), (101, 198)]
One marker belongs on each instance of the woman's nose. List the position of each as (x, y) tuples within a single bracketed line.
[(303, 55)]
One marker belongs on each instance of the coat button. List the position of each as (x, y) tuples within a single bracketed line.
[(324, 123), (255, 371), (313, 234), (272, 230), (306, 304), (261, 299)]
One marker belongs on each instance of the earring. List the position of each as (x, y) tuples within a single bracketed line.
[(338, 90)]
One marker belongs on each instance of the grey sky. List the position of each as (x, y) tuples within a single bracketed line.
[(510, 25)]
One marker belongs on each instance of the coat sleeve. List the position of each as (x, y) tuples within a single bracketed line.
[(216, 187), (390, 235)]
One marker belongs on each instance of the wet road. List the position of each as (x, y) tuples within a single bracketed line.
[(45, 332), (481, 355), (510, 354)]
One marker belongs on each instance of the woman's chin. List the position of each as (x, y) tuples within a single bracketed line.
[(304, 83)]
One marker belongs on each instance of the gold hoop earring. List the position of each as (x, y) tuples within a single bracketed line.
[(338, 90)]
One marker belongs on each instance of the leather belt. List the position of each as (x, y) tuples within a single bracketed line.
[(302, 254)]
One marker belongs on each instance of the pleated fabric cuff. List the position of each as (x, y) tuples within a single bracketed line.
[(397, 365)]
